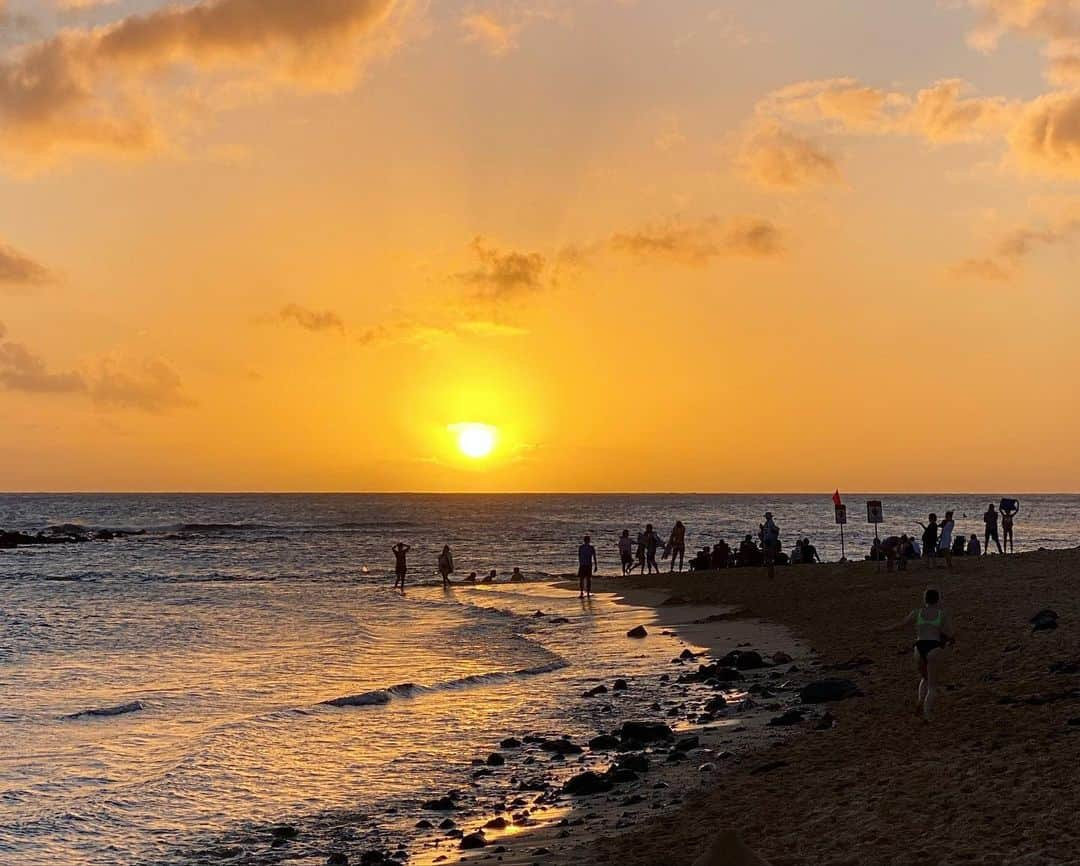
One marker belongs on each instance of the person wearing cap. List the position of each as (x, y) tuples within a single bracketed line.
[(769, 533)]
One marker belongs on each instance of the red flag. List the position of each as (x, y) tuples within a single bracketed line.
[(836, 498)]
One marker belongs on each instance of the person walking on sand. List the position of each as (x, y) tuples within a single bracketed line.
[(933, 633), (676, 545), (930, 540), (446, 564), (587, 566), (769, 532), (640, 553), (400, 567), (626, 554), (991, 521), (652, 544)]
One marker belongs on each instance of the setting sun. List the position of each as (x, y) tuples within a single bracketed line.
[(475, 440)]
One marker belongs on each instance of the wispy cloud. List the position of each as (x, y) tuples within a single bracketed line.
[(317, 321), (1007, 256), (698, 243), (776, 158), (19, 271), (485, 28), (23, 370), (503, 275)]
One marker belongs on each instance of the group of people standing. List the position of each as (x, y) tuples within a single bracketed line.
[(938, 539)]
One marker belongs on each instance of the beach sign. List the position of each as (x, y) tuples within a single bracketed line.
[(841, 514), (874, 512)]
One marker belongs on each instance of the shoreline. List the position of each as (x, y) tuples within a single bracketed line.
[(881, 787)]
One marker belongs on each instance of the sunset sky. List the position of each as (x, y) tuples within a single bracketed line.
[(781, 245)]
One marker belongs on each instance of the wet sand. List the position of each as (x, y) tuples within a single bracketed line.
[(992, 780)]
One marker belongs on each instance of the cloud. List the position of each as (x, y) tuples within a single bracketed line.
[(1055, 23), (152, 387), (1014, 247), (312, 320), (503, 275), (485, 29), (94, 88), (19, 270), (1047, 137), (777, 158), (22, 370), (697, 243)]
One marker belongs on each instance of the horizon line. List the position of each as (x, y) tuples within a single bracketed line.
[(164, 492)]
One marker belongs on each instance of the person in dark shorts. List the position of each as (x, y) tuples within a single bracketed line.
[(587, 566), (446, 565), (1009, 510), (933, 633), (676, 545), (400, 567), (652, 544), (626, 552), (991, 521)]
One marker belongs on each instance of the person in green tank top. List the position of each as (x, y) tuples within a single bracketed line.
[(933, 634)]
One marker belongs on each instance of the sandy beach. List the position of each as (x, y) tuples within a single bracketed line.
[(991, 780)]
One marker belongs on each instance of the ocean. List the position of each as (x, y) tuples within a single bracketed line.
[(215, 640)]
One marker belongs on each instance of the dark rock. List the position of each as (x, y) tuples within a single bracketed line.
[(284, 831), (604, 743), (717, 672), (473, 841), (1074, 722), (447, 824), (559, 620), (781, 658), (637, 763), (621, 775), (744, 660), (510, 743), (824, 691), (498, 823), (587, 783), (226, 852), (687, 654), (791, 717), (423, 824), (1044, 620), (619, 686), (826, 723), (596, 690), (674, 601), (675, 757), (495, 760), (337, 859), (687, 743), (637, 631), (561, 747), (441, 804), (646, 732), (633, 800), (715, 704)]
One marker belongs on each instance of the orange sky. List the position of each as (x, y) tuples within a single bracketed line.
[(679, 245)]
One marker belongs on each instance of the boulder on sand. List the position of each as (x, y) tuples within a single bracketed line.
[(728, 849), (832, 689), (637, 631), (646, 732), (1044, 620)]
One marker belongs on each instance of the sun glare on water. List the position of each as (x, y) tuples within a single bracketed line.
[(475, 441)]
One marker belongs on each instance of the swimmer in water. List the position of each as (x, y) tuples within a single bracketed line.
[(933, 633)]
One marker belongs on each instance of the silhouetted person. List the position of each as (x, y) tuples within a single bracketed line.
[(945, 539), (516, 576), (652, 544), (626, 555), (973, 548), (930, 540), (587, 566), (490, 577), (640, 554), (446, 564), (769, 532), (676, 545), (991, 521), (1009, 510), (809, 552), (721, 554), (400, 567)]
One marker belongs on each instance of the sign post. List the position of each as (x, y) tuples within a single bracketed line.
[(875, 514), (841, 519)]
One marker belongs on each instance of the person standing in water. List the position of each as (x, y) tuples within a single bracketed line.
[(626, 554), (991, 521), (676, 545), (933, 633), (446, 565), (587, 566), (400, 567)]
